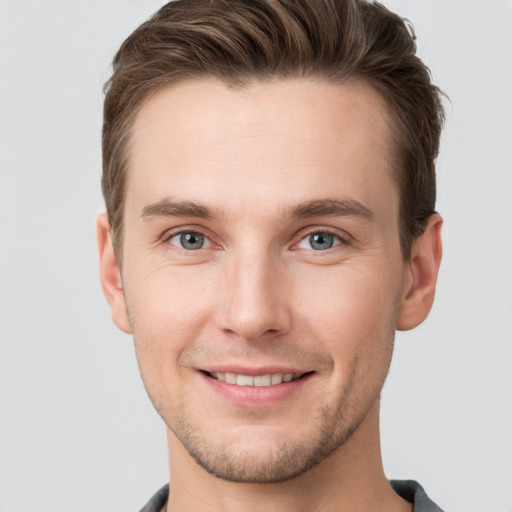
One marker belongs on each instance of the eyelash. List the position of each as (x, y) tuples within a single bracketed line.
[(170, 235), (341, 240)]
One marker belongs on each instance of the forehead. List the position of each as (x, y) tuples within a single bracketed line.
[(286, 140)]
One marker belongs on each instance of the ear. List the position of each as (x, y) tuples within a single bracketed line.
[(110, 275), (421, 279)]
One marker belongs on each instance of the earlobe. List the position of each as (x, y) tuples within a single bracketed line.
[(110, 275), (423, 269)]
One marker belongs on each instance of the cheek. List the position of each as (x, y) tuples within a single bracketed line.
[(351, 312), (165, 323), (166, 300), (357, 321), (167, 313)]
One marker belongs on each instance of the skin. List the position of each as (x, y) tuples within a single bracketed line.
[(266, 164)]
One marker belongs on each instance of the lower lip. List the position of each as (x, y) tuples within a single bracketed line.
[(255, 396)]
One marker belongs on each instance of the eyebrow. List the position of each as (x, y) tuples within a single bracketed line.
[(334, 207), (314, 208), (170, 208)]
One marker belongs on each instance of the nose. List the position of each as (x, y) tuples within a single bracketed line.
[(254, 304)]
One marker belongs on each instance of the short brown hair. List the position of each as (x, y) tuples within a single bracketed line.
[(238, 41)]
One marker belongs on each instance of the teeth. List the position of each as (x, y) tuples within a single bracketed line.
[(277, 378), (230, 378), (270, 379), (263, 380), (244, 380)]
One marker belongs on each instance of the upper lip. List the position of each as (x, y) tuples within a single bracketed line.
[(253, 371)]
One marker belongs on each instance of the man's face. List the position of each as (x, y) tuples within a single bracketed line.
[(261, 244)]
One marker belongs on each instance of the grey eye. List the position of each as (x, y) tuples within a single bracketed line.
[(319, 241), (189, 240)]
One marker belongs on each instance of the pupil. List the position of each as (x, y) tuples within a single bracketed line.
[(321, 241), (192, 240)]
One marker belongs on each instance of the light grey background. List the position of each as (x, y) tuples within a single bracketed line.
[(77, 433)]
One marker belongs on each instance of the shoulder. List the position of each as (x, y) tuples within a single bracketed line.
[(413, 492), (408, 489), (157, 502)]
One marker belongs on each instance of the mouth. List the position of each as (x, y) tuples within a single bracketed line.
[(269, 379)]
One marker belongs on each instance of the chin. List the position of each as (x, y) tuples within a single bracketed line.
[(259, 459)]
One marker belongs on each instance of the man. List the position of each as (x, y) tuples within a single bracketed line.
[(270, 190)]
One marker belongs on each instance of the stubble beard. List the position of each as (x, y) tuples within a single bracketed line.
[(286, 462), (242, 462), (331, 427)]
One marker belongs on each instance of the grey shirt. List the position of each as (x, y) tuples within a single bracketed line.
[(408, 489)]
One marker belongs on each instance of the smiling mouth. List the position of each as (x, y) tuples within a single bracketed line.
[(270, 379)]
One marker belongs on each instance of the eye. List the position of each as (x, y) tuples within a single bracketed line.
[(189, 240), (319, 241)]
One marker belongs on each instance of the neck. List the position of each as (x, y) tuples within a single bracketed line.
[(351, 479)]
